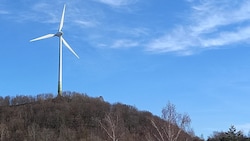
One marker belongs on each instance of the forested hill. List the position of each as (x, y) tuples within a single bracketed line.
[(78, 117)]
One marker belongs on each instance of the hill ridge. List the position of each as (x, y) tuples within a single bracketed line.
[(75, 116)]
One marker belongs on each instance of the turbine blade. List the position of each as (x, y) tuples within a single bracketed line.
[(43, 37), (62, 19), (67, 45)]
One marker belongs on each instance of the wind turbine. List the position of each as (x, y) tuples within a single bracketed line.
[(61, 41)]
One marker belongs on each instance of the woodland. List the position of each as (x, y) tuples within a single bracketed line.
[(78, 117)]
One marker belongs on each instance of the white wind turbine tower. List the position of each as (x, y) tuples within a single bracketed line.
[(61, 41)]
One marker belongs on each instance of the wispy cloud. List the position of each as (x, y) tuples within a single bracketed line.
[(228, 37), (212, 24), (3, 12), (3, 9), (85, 23), (124, 43), (38, 12), (179, 40), (122, 37), (117, 3), (47, 12)]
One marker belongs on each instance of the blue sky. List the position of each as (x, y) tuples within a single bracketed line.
[(144, 53)]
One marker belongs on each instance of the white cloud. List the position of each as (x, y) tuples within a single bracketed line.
[(124, 43), (117, 3), (47, 12), (85, 23), (3, 12), (212, 24), (39, 12), (225, 38), (211, 15), (178, 41)]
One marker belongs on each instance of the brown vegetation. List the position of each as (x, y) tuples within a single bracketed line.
[(77, 117)]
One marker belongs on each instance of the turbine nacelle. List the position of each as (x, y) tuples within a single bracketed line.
[(59, 33)]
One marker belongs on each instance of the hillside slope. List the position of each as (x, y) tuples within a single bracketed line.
[(75, 117)]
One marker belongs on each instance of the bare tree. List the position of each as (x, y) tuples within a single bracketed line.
[(33, 129), (174, 124), (112, 126), (4, 132)]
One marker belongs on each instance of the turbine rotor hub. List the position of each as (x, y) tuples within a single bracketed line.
[(59, 33)]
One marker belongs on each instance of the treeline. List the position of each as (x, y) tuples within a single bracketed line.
[(78, 117), (231, 135), (22, 99)]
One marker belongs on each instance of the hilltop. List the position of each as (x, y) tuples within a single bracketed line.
[(76, 116)]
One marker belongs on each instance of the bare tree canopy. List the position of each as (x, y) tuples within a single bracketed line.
[(175, 124)]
